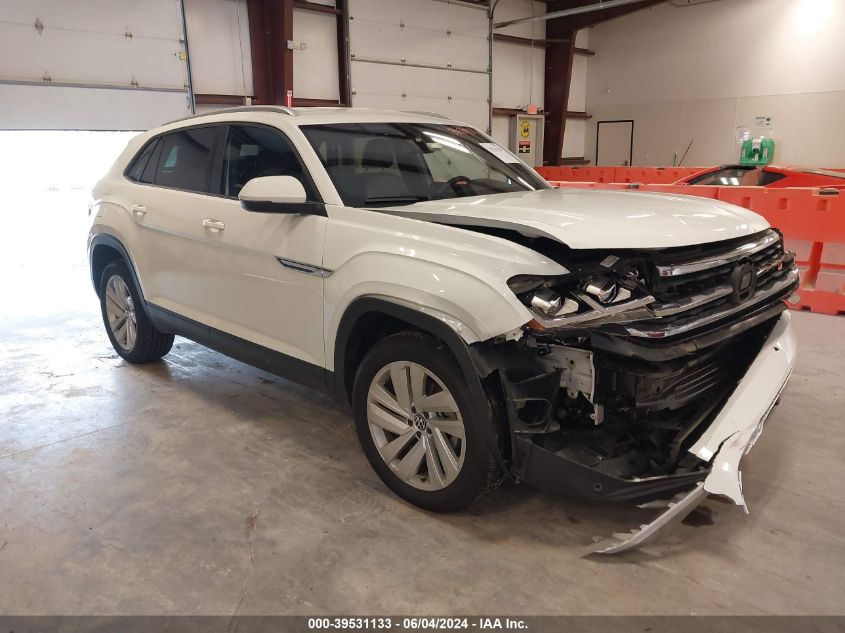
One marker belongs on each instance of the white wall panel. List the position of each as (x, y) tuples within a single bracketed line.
[(57, 108), (220, 47), (315, 68), (119, 43), (422, 32), (410, 88)]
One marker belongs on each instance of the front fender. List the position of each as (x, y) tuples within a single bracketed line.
[(473, 308)]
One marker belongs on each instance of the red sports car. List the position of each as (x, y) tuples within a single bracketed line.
[(768, 176)]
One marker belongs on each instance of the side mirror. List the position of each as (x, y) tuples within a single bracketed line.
[(278, 194)]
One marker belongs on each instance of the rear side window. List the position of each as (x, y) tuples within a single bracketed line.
[(252, 151), (768, 177), (136, 167), (185, 160)]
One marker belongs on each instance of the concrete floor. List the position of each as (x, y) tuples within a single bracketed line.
[(198, 485)]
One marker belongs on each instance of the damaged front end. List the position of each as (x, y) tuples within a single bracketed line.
[(646, 375)]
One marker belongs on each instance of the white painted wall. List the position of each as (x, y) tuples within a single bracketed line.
[(701, 71)]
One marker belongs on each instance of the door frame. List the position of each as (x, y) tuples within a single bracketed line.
[(630, 147)]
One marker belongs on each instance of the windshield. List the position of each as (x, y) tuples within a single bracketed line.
[(388, 164)]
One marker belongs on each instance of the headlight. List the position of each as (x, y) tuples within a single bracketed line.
[(552, 304), (594, 299), (601, 287)]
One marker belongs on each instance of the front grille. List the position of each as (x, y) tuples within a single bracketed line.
[(693, 290), (769, 262)]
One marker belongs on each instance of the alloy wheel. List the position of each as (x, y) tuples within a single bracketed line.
[(120, 312), (416, 425)]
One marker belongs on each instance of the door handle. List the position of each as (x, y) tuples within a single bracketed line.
[(139, 209), (213, 225)]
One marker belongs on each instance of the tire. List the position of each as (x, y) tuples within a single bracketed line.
[(455, 467), (131, 333)]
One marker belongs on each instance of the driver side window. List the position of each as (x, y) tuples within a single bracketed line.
[(252, 151)]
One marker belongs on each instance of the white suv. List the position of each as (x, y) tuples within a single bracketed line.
[(481, 324)]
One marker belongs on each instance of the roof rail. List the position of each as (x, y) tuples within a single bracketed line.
[(250, 108), (436, 115)]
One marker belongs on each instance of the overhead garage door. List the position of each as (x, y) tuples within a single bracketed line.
[(95, 65), (420, 55)]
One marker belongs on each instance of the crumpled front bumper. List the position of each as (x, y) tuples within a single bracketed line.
[(728, 438)]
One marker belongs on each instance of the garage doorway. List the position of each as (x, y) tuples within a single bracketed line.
[(615, 142), (47, 177)]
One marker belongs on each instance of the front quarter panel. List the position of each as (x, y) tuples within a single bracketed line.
[(453, 274)]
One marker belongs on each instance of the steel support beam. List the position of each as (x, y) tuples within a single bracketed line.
[(557, 80), (270, 30), (343, 75)]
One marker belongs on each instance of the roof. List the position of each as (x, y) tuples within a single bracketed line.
[(318, 115)]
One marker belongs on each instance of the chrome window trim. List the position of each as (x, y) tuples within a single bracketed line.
[(749, 248)]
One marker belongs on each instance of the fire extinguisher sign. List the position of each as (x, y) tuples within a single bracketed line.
[(289, 99)]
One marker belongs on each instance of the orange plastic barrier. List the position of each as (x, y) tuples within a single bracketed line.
[(700, 191), (653, 175), (812, 221), (568, 184), (644, 175), (578, 174), (813, 225)]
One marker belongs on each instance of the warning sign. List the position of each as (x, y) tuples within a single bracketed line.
[(525, 129), (524, 147)]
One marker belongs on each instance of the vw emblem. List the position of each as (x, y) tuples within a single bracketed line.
[(420, 422), (743, 280)]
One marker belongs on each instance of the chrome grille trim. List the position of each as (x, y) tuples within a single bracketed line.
[(749, 248), (690, 303), (658, 330)]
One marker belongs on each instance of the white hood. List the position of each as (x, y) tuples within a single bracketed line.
[(585, 218)]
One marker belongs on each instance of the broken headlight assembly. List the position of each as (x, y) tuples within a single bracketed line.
[(576, 300)]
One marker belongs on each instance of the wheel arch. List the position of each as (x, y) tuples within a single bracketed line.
[(352, 331), (103, 250), (368, 319)]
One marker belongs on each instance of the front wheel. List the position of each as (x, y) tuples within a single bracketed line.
[(130, 331), (416, 427)]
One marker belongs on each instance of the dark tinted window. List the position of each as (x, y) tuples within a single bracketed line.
[(729, 176), (186, 158), (149, 174), (136, 167), (768, 177), (253, 151)]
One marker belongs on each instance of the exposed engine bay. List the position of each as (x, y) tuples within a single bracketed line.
[(630, 358)]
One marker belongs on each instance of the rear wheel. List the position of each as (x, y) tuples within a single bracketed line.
[(415, 425), (130, 331)]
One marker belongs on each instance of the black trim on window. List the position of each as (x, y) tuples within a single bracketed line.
[(292, 208), (140, 160)]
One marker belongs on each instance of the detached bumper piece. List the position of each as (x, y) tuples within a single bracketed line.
[(731, 435)]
